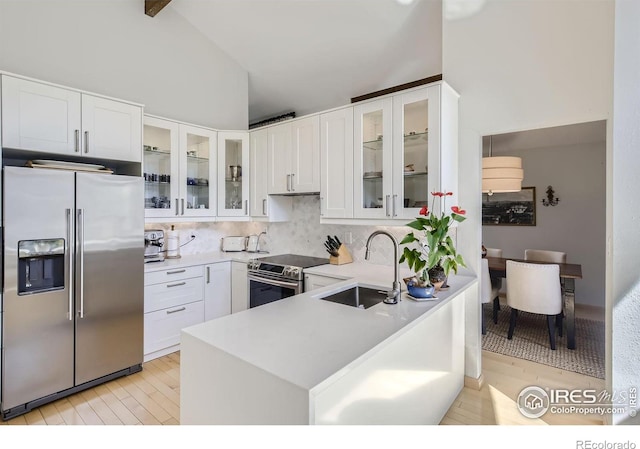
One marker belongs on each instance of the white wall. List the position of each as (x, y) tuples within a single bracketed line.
[(576, 225), (113, 48), (521, 65), (625, 203)]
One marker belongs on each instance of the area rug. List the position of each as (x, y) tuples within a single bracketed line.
[(531, 342)]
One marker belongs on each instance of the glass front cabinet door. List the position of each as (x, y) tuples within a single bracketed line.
[(416, 151), (197, 171), (233, 174), (373, 171), (160, 167)]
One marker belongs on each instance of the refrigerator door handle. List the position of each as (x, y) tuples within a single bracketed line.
[(81, 256), (70, 258)]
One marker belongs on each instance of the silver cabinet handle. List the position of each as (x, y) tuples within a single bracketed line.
[(81, 253), (77, 140), (321, 214), (264, 206), (182, 201), (176, 310), (393, 204), (177, 284), (70, 256), (246, 207), (288, 183), (292, 189), (208, 275), (386, 205), (176, 271), (86, 141), (177, 210)]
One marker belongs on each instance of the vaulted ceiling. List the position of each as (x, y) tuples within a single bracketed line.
[(309, 55)]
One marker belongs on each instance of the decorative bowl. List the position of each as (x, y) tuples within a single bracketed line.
[(420, 292)]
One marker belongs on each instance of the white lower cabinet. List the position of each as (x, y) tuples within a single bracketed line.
[(173, 300), (217, 290), (239, 287), (314, 281), (162, 328)]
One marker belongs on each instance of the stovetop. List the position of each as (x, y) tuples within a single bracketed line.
[(284, 266), (294, 260)]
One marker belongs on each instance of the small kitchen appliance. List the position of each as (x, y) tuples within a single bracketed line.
[(234, 243), (153, 244)]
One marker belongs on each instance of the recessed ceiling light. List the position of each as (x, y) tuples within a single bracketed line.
[(405, 2)]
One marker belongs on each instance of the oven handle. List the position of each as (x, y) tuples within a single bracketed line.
[(273, 281)]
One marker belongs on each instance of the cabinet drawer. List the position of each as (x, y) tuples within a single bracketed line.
[(172, 294), (162, 328), (172, 274)]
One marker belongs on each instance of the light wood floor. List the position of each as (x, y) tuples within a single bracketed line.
[(152, 396)]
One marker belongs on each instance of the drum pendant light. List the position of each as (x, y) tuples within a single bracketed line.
[(502, 173)]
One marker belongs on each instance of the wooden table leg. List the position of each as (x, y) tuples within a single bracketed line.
[(569, 298)]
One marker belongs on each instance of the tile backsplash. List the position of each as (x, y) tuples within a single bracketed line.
[(303, 234)]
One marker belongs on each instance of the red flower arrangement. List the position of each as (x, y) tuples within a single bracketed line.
[(436, 247)]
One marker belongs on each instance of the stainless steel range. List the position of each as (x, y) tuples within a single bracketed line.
[(276, 277)]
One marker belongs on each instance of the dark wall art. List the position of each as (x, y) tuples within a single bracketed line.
[(510, 209)]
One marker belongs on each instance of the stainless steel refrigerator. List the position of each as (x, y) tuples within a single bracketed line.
[(73, 283)]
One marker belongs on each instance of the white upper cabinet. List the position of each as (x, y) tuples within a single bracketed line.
[(233, 174), (160, 167), (49, 119), (258, 197), (336, 164), (279, 159), (262, 206), (179, 166), (305, 155), (416, 156), (405, 146), (294, 157), (197, 165), (373, 159), (111, 129)]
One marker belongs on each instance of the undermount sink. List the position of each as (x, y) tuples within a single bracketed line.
[(361, 297)]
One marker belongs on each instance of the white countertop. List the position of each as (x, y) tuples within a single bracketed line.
[(305, 340), (363, 271), (204, 259)]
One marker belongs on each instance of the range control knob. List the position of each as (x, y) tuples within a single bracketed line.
[(287, 271), (295, 272)]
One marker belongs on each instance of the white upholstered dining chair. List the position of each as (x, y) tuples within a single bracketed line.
[(488, 293), (540, 255), (494, 252), (535, 288)]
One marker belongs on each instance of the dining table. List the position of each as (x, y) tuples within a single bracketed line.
[(569, 272)]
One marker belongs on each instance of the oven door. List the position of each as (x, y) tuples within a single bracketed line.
[(263, 290)]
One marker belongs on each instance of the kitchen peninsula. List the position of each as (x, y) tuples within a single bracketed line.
[(303, 360)]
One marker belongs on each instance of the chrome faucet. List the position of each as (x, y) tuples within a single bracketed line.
[(393, 296), (258, 244)]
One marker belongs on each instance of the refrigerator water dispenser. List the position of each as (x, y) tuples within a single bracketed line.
[(40, 266)]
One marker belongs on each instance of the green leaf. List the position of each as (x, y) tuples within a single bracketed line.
[(409, 238), (416, 224)]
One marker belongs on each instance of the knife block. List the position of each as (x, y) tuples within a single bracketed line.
[(343, 257)]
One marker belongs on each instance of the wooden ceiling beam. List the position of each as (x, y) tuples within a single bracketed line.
[(153, 7)]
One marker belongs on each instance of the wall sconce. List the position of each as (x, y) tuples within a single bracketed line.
[(550, 200)]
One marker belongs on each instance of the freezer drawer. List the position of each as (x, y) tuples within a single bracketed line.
[(172, 294), (162, 327), (172, 274)]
